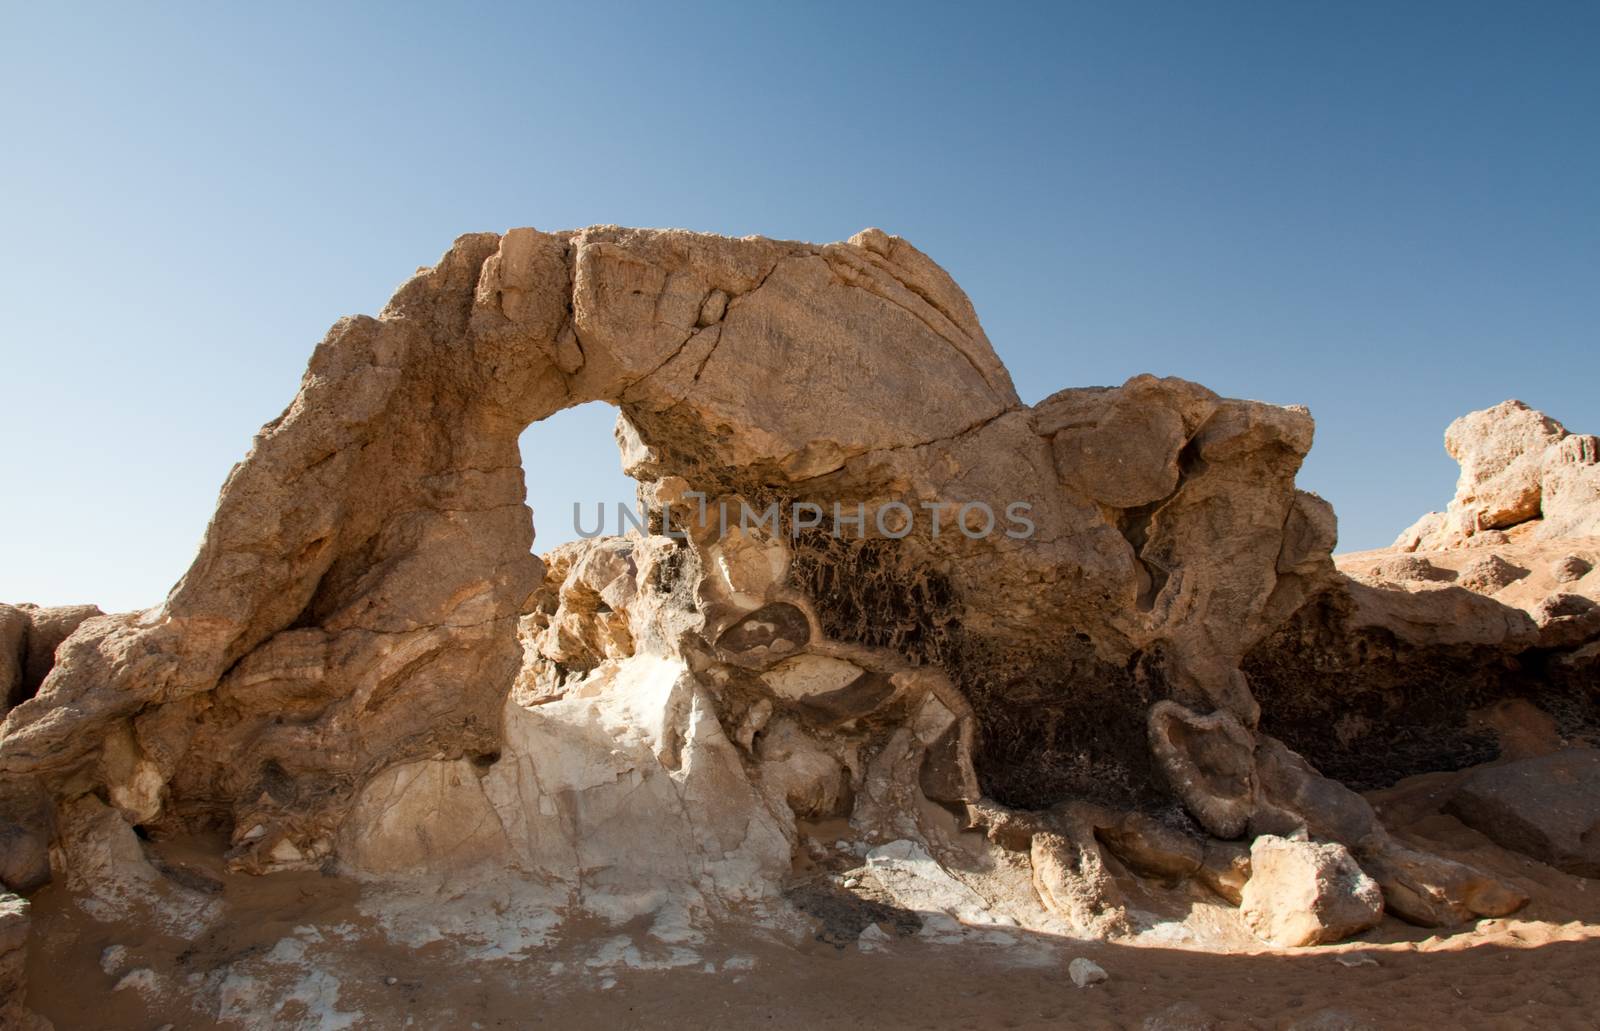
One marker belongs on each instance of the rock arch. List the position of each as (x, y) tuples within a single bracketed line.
[(355, 601)]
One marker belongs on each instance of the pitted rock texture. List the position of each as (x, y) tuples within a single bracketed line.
[(1385, 672), (1301, 893), (29, 637), (1105, 630), (357, 598), (1520, 469), (1547, 807)]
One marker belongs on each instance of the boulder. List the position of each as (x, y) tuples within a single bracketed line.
[(1547, 807), (366, 669), (1431, 891), (1288, 798), (1306, 893), (47, 628), (1412, 567), (24, 854), (365, 594), (1519, 468), (1123, 449), (1086, 972), (14, 1012), (1570, 569), (1424, 889), (1501, 451), (1566, 620), (1489, 573), (1152, 848), (13, 944)]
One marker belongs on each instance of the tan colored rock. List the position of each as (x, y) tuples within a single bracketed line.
[(1209, 761), (1301, 893), (1276, 793), (367, 670), (13, 944), (1570, 488), (1412, 567), (1071, 879), (47, 628), (1121, 446), (24, 855), (620, 797), (14, 1011), (366, 666), (1153, 849), (1501, 451), (29, 637), (1571, 568), (1489, 573), (1519, 468), (1431, 891), (808, 676), (800, 772)]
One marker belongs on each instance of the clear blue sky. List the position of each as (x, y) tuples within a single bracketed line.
[(1388, 212)]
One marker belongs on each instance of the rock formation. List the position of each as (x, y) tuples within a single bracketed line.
[(1469, 612), (869, 585), (14, 1012), (1520, 471), (1301, 893)]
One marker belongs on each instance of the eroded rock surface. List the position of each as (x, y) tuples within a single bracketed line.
[(14, 1012), (1382, 673), (1519, 468), (869, 590), (1547, 807), (1302, 893)]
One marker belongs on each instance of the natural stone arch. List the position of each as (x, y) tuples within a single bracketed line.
[(355, 599)]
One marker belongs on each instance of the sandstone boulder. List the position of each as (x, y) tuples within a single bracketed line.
[(1547, 807), (365, 590), (24, 855), (1570, 488), (1519, 469), (1431, 891), (1571, 568), (1303, 893), (1152, 848), (1289, 798), (1501, 451), (1412, 567), (13, 944), (47, 628), (29, 637), (1489, 573)]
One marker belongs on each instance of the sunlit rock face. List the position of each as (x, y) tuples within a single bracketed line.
[(1401, 665), (874, 604)]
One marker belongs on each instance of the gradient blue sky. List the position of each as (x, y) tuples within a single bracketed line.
[(1388, 212)]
